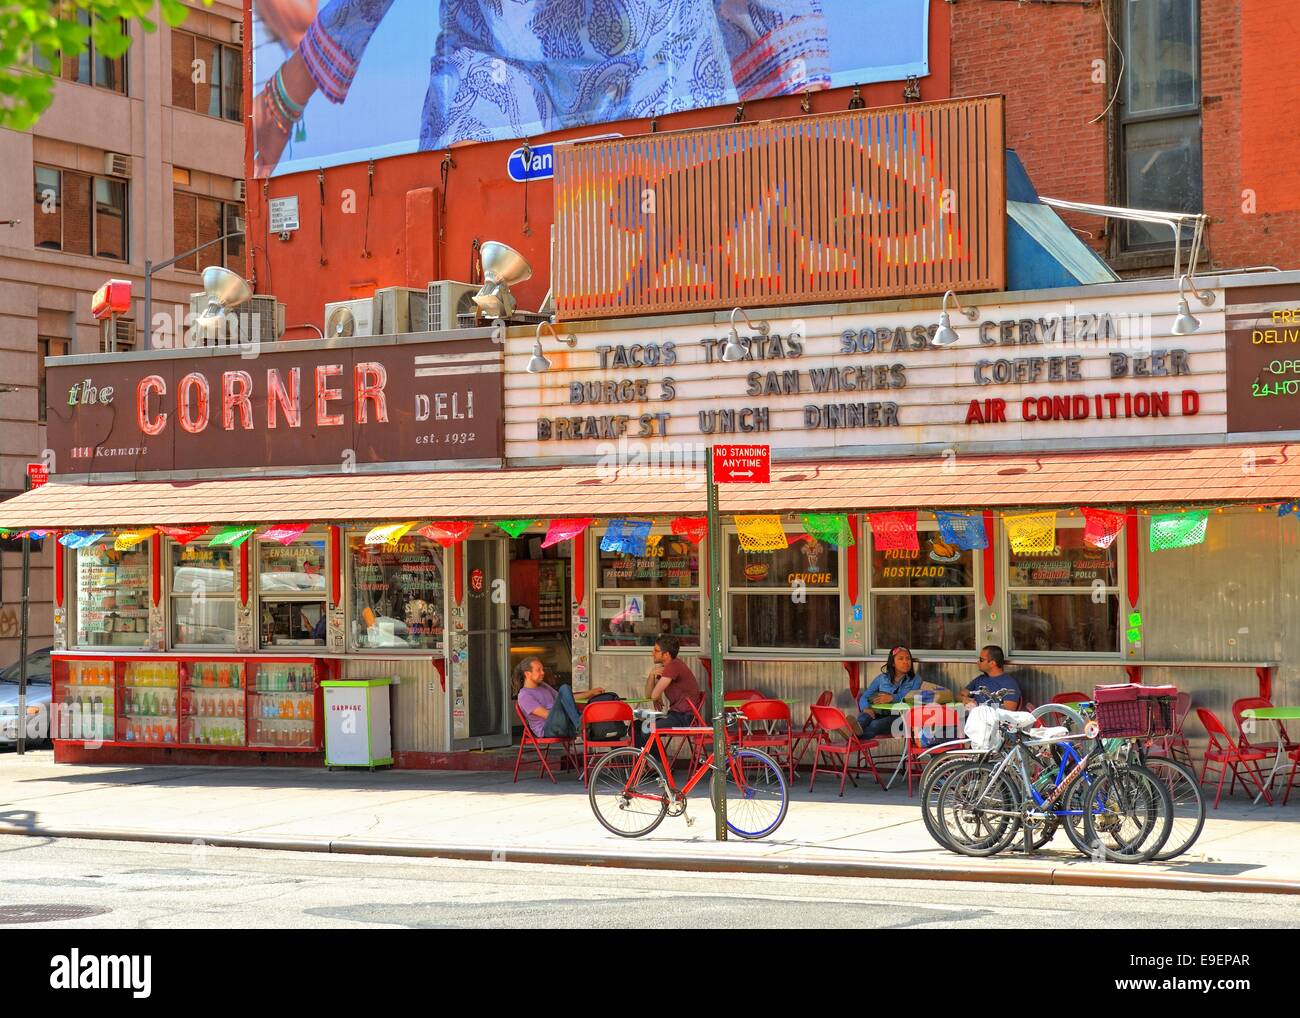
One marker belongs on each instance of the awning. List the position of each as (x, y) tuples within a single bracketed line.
[(1220, 474)]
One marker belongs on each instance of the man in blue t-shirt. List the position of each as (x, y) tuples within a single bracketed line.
[(991, 679)]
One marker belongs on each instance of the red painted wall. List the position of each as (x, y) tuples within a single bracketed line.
[(1041, 56), (402, 247)]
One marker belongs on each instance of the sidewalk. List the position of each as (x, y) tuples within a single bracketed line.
[(483, 815)]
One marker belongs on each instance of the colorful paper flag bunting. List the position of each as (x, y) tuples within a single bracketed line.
[(627, 537), (829, 528), (389, 533), (693, 528), (1031, 533), (184, 535), (233, 536), (894, 531), (128, 540), (962, 530), (1102, 526), (284, 533), (82, 538), (515, 527), (447, 532), (565, 530), (1178, 530), (1287, 508), (761, 533)]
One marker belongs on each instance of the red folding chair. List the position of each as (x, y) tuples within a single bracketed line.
[(605, 711), (1175, 746), (1294, 757), (808, 733), (1230, 757), (1254, 703), (919, 719), (830, 722), (742, 694), (542, 746), (1070, 698), (775, 738)]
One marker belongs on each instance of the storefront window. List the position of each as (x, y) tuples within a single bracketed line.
[(923, 599), (396, 593), (112, 596), (291, 593), (203, 596), (784, 600), (1065, 600), (641, 597)]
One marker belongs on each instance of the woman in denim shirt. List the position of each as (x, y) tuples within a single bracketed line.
[(897, 678)]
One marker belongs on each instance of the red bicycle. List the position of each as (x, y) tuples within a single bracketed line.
[(631, 791)]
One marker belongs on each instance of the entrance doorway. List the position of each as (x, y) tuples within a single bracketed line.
[(541, 584)]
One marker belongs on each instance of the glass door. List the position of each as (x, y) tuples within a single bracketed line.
[(487, 695)]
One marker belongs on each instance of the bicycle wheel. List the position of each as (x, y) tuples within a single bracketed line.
[(1051, 715), (932, 782), (628, 800), (756, 796), (1075, 803), (977, 816), (1129, 816), (1188, 806)]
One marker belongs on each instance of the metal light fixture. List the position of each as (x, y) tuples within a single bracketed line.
[(539, 362), (735, 350), (503, 266), (226, 290), (946, 334), (1186, 323)]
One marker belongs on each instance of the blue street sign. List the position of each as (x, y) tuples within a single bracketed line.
[(540, 164)]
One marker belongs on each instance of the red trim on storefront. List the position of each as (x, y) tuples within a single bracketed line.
[(990, 559), (156, 556), (134, 753), (440, 663), (458, 571), (243, 573), (854, 668), (1134, 673), (336, 567), (59, 552), (853, 560), (1265, 675), (1133, 548), (579, 567)]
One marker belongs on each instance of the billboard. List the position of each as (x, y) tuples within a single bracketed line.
[(342, 81)]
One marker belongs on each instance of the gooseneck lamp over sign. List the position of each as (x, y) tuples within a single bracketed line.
[(946, 335), (1186, 323), (538, 362), (735, 350)]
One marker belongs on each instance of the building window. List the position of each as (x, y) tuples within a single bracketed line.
[(207, 76), (203, 595), (396, 593), (783, 600), (46, 347), (1066, 600), (112, 599), (923, 599), (199, 220), (80, 214), (640, 597), (1160, 121), (291, 593), (90, 66)]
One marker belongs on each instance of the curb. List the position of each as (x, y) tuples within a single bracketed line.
[(1121, 876)]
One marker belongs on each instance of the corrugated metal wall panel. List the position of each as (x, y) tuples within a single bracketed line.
[(418, 707), (840, 206)]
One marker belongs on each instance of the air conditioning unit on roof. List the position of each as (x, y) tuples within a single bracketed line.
[(260, 317), (399, 309), (448, 301), (344, 318)]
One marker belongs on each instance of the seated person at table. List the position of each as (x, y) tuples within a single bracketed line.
[(992, 678), (897, 678), (551, 712), (672, 681)]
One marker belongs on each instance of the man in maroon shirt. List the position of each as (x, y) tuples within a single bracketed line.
[(672, 681)]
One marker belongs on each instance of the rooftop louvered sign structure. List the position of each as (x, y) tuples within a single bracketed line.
[(908, 200)]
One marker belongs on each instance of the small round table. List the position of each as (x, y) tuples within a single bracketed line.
[(1277, 714)]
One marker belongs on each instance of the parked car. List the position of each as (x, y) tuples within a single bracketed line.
[(39, 690)]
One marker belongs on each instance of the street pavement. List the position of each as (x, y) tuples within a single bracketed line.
[(143, 886), (488, 816)]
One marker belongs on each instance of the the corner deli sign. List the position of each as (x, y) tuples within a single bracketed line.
[(1106, 368)]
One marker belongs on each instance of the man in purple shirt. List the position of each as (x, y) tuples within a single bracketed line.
[(551, 713)]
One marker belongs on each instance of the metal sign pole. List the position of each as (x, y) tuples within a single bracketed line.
[(715, 655), (21, 746)]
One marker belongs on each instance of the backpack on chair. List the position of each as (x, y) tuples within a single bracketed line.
[(606, 731)]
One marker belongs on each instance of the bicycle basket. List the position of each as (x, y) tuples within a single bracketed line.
[(1129, 712), (1124, 719)]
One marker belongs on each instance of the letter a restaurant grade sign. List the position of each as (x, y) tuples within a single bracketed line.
[(742, 464)]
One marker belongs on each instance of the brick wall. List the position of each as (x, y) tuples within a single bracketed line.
[(1041, 57)]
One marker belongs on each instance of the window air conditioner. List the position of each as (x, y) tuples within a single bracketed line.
[(241, 191), (448, 300), (237, 32), (261, 310), (117, 335), (117, 164), (345, 318)]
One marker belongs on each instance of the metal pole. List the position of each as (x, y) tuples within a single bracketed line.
[(715, 655), (22, 637), (148, 304)]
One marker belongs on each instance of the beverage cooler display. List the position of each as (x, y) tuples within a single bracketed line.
[(87, 696), (149, 701), (190, 703), (282, 704), (212, 704)]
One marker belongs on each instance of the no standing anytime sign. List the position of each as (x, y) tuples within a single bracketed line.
[(742, 464)]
